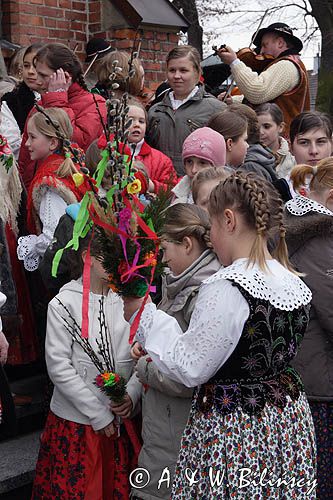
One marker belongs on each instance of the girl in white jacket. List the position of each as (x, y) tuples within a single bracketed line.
[(82, 454)]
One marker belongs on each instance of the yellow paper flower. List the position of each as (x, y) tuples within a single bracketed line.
[(134, 187), (78, 179)]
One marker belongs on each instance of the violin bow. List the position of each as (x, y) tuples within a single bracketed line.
[(232, 84)]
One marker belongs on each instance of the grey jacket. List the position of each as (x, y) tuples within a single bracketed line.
[(167, 129), (166, 403), (261, 161), (310, 245)]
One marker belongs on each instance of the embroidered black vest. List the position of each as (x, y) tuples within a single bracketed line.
[(258, 370)]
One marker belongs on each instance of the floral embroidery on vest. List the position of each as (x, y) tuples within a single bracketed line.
[(258, 370)]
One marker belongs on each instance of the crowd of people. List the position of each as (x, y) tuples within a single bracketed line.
[(230, 376)]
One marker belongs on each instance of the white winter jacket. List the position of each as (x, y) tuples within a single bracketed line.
[(75, 397)]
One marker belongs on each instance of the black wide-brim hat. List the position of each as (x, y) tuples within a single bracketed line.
[(97, 48), (281, 29)]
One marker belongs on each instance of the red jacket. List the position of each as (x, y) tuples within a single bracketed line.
[(159, 167), (80, 106)]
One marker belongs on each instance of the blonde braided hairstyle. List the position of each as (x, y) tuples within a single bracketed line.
[(258, 202)]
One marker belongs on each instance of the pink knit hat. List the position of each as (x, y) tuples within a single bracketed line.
[(206, 144)]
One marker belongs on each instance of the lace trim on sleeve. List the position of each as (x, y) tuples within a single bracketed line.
[(300, 205), (26, 252)]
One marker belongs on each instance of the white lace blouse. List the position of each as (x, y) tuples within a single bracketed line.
[(31, 248), (217, 322)]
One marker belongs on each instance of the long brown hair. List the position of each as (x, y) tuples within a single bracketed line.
[(259, 204), (228, 123), (58, 55)]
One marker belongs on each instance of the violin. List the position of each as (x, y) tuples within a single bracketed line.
[(257, 62)]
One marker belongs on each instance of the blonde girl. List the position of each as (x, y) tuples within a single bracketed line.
[(53, 186), (249, 414), (204, 182)]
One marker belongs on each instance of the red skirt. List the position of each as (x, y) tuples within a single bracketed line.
[(75, 463)]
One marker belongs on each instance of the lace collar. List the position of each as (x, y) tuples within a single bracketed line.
[(281, 288), (300, 205)]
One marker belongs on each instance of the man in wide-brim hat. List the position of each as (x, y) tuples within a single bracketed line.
[(284, 80)]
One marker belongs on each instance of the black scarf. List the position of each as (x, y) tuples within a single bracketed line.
[(20, 101)]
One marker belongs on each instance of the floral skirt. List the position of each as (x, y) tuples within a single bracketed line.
[(322, 414), (246, 457), (74, 463)]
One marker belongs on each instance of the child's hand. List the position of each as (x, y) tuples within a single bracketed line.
[(123, 409), (108, 430), (137, 351), (3, 349), (59, 80)]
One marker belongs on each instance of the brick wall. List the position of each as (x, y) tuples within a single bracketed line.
[(73, 22)]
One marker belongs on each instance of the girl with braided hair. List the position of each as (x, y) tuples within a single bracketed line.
[(60, 75), (56, 183), (187, 252), (309, 223), (250, 431)]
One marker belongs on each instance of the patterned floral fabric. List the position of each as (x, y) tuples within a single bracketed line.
[(74, 463), (241, 456), (250, 432), (322, 413), (257, 371)]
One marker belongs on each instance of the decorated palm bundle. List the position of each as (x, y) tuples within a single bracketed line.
[(126, 221)]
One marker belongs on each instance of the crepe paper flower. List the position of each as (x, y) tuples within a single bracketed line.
[(78, 179), (150, 259), (112, 384), (134, 187), (99, 381)]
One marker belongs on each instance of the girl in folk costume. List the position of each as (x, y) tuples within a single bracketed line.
[(60, 76), (250, 430), (187, 252), (310, 244), (271, 124), (56, 184), (158, 166), (85, 450), (18, 322)]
